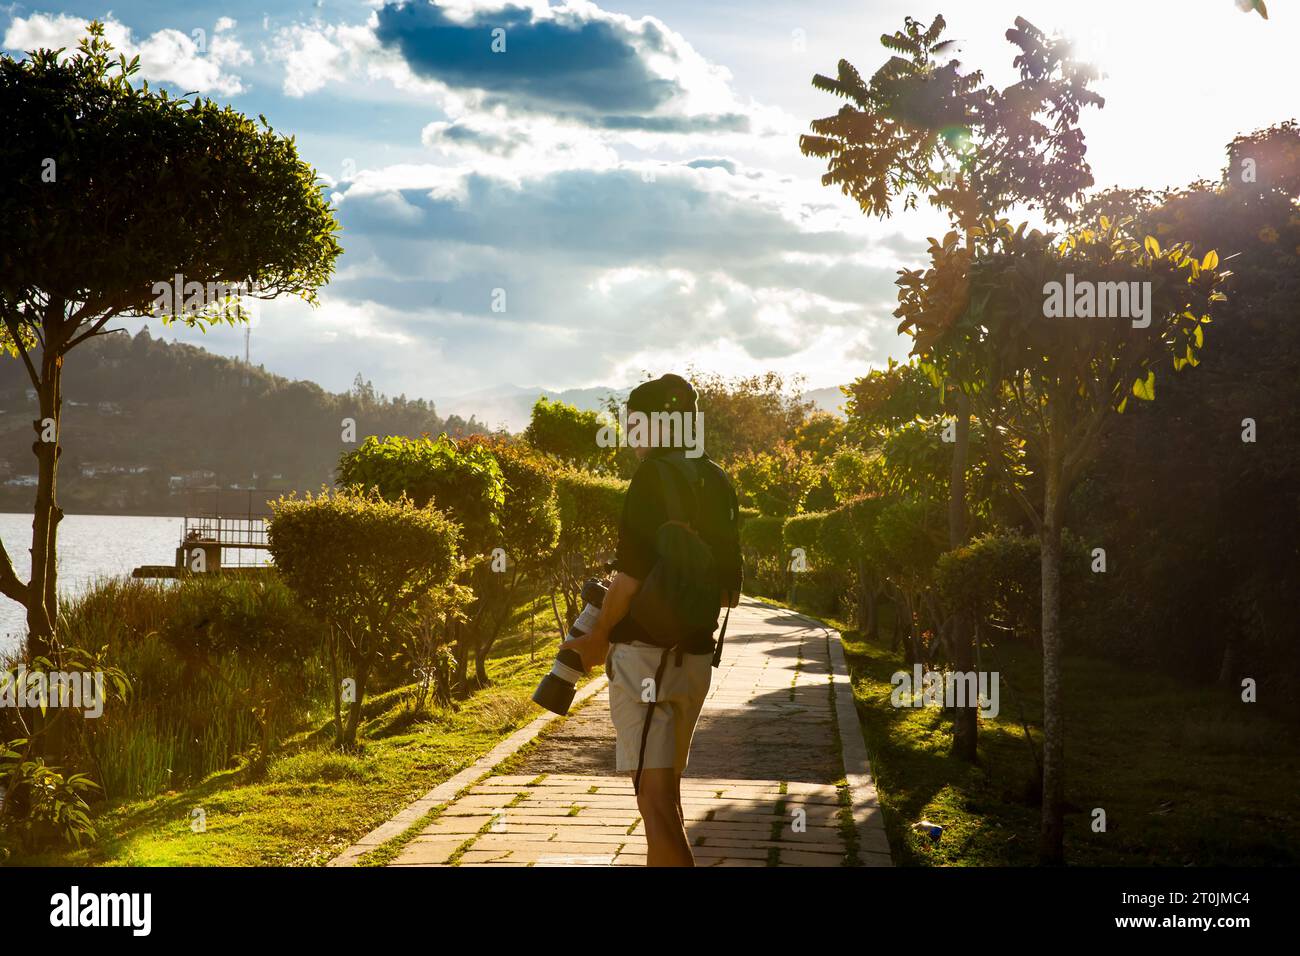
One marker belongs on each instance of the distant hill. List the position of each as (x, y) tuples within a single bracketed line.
[(827, 399), (145, 422), (509, 406)]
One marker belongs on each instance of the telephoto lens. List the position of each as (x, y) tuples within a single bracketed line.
[(555, 692)]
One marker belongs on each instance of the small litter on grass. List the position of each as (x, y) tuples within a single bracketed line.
[(926, 828)]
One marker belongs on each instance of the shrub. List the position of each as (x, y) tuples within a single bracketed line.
[(42, 804), (776, 481), (528, 531), (804, 531), (762, 549), (569, 435), (359, 562), (218, 666), (999, 575), (848, 541), (463, 480), (590, 509)]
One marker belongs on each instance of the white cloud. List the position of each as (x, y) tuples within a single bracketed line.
[(498, 145), (311, 58), (166, 56)]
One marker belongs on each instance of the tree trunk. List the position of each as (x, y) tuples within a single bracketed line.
[(1051, 848), (965, 727), (48, 731), (349, 740), (914, 653), (333, 642), (462, 660), (866, 602), (42, 603), (896, 637), (1228, 663)]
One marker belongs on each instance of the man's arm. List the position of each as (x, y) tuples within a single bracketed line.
[(594, 645)]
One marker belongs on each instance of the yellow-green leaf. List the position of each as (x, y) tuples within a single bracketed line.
[(1211, 260), (1146, 389), (1152, 246), (1199, 336)]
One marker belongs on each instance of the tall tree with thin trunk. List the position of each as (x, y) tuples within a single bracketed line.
[(122, 201), (922, 126), (1055, 373)]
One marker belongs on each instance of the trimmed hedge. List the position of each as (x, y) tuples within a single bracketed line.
[(1000, 574), (761, 550), (590, 509), (804, 531)]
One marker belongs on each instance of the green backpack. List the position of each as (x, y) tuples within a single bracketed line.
[(681, 595)]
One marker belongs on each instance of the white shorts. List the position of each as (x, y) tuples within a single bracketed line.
[(631, 670)]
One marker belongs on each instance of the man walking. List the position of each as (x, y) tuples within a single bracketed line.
[(678, 565)]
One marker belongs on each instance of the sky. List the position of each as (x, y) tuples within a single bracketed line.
[(619, 190)]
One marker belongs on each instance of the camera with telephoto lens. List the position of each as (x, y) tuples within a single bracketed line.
[(556, 690)]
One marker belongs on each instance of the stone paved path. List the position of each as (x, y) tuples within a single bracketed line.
[(763, 787)]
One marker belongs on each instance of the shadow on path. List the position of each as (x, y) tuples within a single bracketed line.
[(768, 715)]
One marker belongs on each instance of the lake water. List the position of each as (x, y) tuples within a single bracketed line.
[(90, 547)]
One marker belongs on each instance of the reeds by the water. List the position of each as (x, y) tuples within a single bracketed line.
[(220, 669)]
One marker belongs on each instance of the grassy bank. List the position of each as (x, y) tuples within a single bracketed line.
[(1186, 775), (309, 802)]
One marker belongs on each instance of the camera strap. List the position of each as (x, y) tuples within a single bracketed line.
[(717, 648), (649, 715)]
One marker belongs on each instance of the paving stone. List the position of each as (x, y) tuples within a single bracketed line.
[(426, 850), (764, 748)]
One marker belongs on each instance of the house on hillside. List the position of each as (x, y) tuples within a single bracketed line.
[(196, 478)]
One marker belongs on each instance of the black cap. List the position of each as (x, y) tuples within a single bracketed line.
[(667, 393)]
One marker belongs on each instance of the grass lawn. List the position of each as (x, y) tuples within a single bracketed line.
[(1187, 775), (312, 802)]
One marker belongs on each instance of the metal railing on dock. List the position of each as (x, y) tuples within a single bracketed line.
[(213, 541)]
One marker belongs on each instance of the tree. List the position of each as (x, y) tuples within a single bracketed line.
[(777, 481), (569, 434), (464, 480), (922, 126), (820, 435), (888, 397), (848, 538), (748, 413), (1052, 384), (529, 530), (113, 192), (360, 563), (1216, 593), (590, 509), (909, 542)]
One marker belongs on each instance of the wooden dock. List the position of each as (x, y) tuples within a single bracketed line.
[(217, 543)]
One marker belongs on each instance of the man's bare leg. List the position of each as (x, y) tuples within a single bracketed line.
[(660, 804), (677, 793)]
